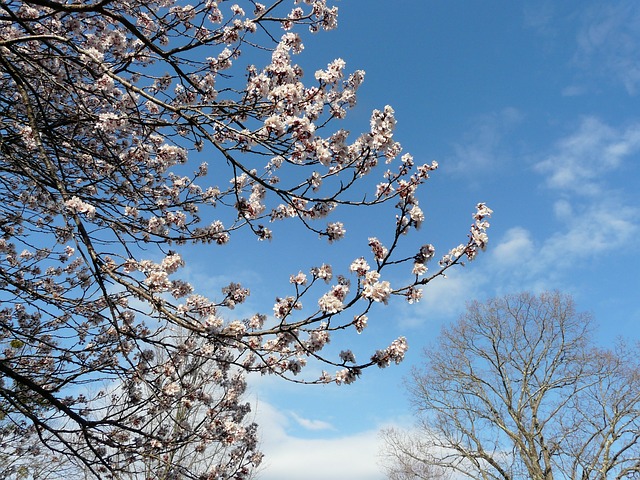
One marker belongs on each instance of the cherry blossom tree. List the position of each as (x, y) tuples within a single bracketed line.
[(516, 389), (109, 109)]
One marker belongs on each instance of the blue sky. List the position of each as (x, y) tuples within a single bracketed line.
[(532, 107)]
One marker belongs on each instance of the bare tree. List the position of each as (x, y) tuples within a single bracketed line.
[(108, 111), (403, 457), (515, 389)]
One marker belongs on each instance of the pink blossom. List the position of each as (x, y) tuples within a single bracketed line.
[(417, 216), (335, 231), (158, 281), (28, 138), (235, 329), (318, 338), (378, 291), (299, 279), (323, 272), (329, 303), (333, 73), (419, 269), (125, 103), (359, 266), (284, 306), (346, 376), (453, 255), (379, 250), (237, 10), (172, 388), (413, 295), (76, 205), (393, 353), (172, 262), (360, 322), (347, 356)]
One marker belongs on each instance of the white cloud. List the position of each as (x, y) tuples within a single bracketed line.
[(563, 209), (600, 228), (310, 424), (516, 247), (539, 17), (444, 298), (607, 41), (287, 457), (594, 219), (597, 230), (579, 160), (348, 458)]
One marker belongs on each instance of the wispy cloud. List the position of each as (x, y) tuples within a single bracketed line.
[(539, 17), (593, 218), (574, 90), (608, 43), (482, 145), (589, 219), (310, 424), (594, 231), (579, 161), (516, 245), (600, 227), (444, 298)]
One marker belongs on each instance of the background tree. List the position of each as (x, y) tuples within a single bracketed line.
[(516, 390), (104, 108), (402, 457)]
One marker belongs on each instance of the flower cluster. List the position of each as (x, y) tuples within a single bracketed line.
[(75, 205), (393, 353), (374, 289), (332, 301), (477, 238), (347, 376), (425, 254)]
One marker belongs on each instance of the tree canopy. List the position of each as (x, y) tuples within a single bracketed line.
[(517, 389), (132, 129)]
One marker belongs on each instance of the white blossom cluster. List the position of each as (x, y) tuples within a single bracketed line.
[(477, 239), (393, 353)]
